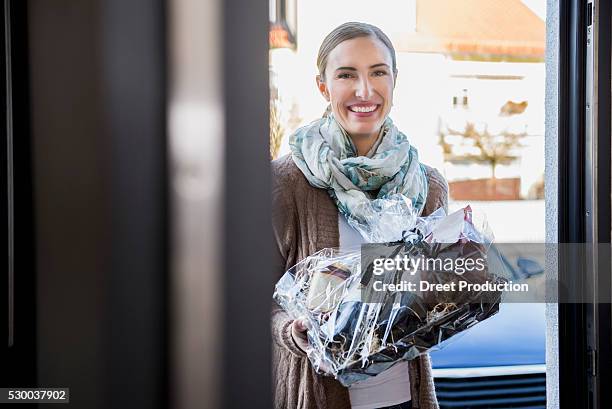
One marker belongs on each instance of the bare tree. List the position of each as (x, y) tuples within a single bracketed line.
[(481, 146), (277, 129)]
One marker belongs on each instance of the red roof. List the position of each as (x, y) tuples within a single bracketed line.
[(476, 27)]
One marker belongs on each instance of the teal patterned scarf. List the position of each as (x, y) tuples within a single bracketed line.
[(361, 186)]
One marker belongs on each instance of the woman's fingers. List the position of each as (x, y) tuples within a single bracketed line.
[(324, 367), (300, 325), (298, 331)]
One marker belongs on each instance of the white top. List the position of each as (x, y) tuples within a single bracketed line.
[(390, 387)]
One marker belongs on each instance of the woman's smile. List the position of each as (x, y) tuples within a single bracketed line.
[(363, 110)]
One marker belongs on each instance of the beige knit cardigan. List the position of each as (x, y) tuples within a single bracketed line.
[(305, 220)]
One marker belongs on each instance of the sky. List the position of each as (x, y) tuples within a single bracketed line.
[(537, 6)]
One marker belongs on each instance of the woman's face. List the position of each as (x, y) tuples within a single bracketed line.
[(359, 85)]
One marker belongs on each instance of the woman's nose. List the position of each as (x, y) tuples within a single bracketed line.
[(364, 89)]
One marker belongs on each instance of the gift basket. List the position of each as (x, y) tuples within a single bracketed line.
[(356, 330)]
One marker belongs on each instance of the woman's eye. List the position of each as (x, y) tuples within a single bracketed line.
[(345, 75), (380, 73)]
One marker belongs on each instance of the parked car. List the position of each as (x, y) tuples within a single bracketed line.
[(500, 362)]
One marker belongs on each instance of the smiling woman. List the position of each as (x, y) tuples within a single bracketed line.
[(357, 77), (340, 164)]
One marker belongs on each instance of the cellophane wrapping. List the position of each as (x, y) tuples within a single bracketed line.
[(355, 333)]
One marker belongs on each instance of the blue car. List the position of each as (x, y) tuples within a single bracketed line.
[(499, 363)]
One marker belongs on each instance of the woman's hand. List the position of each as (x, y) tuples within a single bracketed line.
[(298, 332), (299, 327)]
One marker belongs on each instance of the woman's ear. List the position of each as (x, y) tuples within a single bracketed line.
[(322, 88), (394, 79)]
